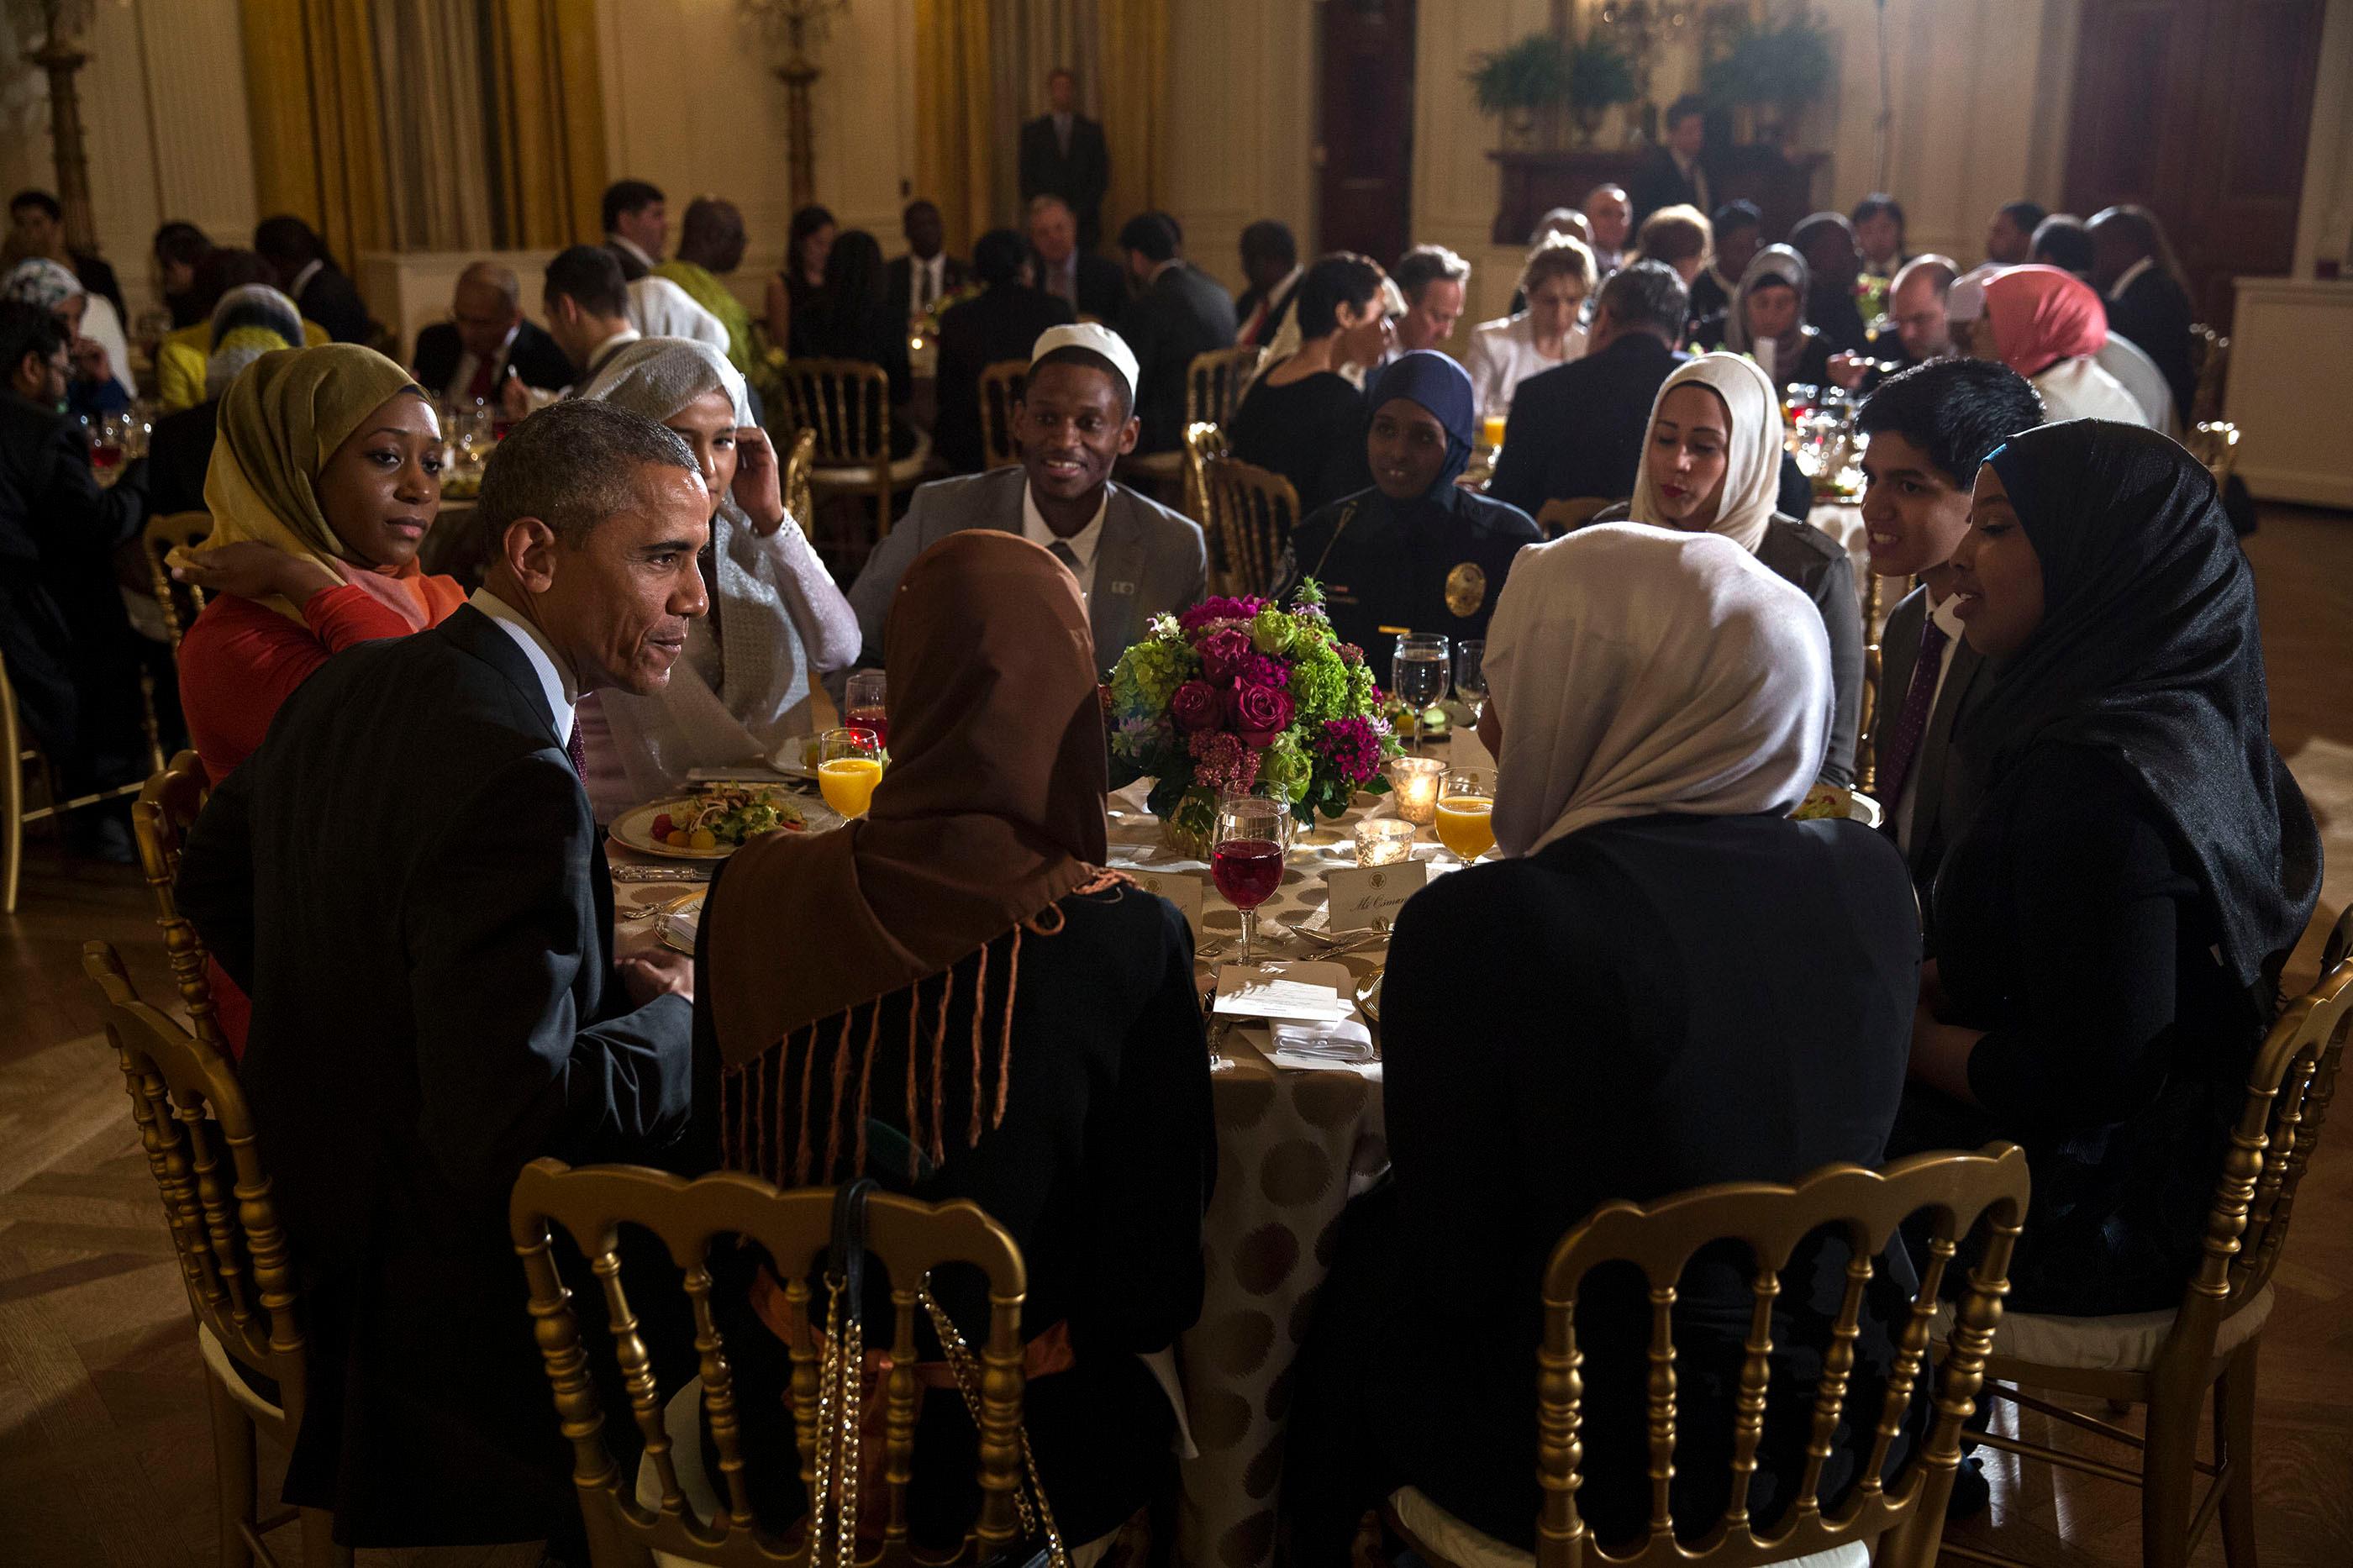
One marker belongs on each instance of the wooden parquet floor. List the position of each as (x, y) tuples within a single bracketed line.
[(105, 1452)]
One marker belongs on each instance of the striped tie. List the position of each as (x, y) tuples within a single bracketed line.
[(1912, 723)]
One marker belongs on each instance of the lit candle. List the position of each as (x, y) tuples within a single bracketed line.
[(1415, 780), (1384, 841)]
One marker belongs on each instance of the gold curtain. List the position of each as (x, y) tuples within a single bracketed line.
[(1135, 96), (549, 121), (318, 148), (437, 128), (954, 106)]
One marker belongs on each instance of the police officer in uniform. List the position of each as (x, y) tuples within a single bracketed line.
[(1417, 552)]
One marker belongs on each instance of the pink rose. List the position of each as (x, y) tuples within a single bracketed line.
[(1223, 652), (1259, 713), (1195, 707)]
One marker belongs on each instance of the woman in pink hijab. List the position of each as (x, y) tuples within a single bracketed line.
[(2046, 324)]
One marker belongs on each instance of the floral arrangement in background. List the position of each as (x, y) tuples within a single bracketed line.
[(928, 324), (1240, 694)]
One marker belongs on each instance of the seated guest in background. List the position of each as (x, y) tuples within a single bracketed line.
[(1178, 311), (1556, 220), (660, 309), (1712, 465), (248, 322), (636, 226), (2141, 282), (797, 296), (406, 879), (71, 655), (1091, 286), (1878, 221), (1505, 352), (710, 246), (1063, 155), (1677, 235), (2046, 325), (1611, 216), (1660, 951), (309, 277), (1001, 323), (466, 358), (1576, 432), (1302, 417), (1675, 173), (2010, 237), (2110, 928), (927, 274), (1767, 321), (1417, 551), (1833, 263), (1433, 280), (859, 323), (1133, 557), (1734, 235), (184, 357), (1271, 263), (2061, 240), (37, 227), (586, 308), (178, 249), (1924, 331), (1083, 1126), (743, 685), (1925, 432), (100, 383)]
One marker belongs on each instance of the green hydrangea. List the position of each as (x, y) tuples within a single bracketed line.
[(1320, 685), (1148, 675)]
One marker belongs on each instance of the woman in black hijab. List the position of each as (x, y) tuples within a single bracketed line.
[(2109, 929)]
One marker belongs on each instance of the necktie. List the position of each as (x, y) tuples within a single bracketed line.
[(485, 382), (577, 753), (1247, 336), (1912, 723), (923, 287), (1063, 553)]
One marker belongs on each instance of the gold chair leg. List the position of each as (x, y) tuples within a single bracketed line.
[(2234, 1448), (233, 1474), (12, 798), (2169, 1466)]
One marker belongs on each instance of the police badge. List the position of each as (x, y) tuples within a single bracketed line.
[(1466, 589)]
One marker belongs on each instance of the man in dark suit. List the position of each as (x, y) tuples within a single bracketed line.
[(406, 880), (926, 274), (1577, 430), (486, 338), (1064, 153), (2133, 268), (1089, 284), (1002, 323), (1927, 430), (1675, 174), (1178, 311), (1270, 262), (1134, 558), (636, 226), (308, 276)]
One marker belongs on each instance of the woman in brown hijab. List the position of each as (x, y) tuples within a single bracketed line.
[(952, 996)]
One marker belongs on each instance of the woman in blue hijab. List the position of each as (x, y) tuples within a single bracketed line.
[(1417, 551)]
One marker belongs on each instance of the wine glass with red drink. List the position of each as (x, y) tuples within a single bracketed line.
[(1246, 856), (865, 704)]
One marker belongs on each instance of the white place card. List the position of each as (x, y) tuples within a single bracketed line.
[(1360, 895), (1182, 888), (1310, 992)]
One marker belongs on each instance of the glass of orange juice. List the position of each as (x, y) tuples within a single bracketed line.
[(849, 765), (1466, 806), (1491, 430)]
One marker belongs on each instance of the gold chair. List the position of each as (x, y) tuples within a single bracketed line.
[(1866, 752), (1905, 1515), (2215, 443), (847, 402), (1204, 441), (234, 1259), (160, 538), (2209, 360), (1214, 383), (1559, 516), (907, 1238), (1001, 388), (800, 461), (2168, 1359), (159, 819), (15, 753), (1256, 511)]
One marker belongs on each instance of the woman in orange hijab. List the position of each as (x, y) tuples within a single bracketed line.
[(2046, 324), (951, 995)]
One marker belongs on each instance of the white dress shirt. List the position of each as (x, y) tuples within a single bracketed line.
[(554, 678), (1503, 353), (926, 281), (1695, 177), (1082, 544), (1950, 624), (2131, 276), (2079, 388)]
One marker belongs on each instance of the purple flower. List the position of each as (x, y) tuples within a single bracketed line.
[(1224, 654), (1259, 713), (1263, 670), (1353, 747), (1196, 706), (1209, 610), (1350, 654), (1222, 762)]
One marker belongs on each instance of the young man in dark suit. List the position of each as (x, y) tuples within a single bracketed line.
[(1576, 430), (1178, 311), (308, 276), (1002, 323), (1927, 430), (926, 274), (1270, 262), (1064, 153), (466, 358), (1673, 174), (636, 226), (1090, 285), (2132, 266), (406, 880)]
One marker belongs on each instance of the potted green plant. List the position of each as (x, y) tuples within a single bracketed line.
[(1774, 72), (1515, 83), (1601, 77)]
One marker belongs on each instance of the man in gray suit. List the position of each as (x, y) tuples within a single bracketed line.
[(1134, 558), (1929, 429)]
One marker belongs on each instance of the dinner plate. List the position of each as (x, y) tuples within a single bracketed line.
[(633, 829), (1368, 995), (674, 927)]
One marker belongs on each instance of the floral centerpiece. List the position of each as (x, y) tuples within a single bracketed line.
[(1236, 694)]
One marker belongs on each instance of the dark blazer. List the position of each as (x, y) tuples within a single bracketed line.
[(1664, 1002), (631, 267), (1148, 560), (330, 300), (1940, 800), (1101, 285), (1002, 323), (406, 880), (179, 455), (1080, 176), (537, 362), (1577, 429), (1183, 312), (897, 276), (97, 276), (2154, 312), (1660, 184)]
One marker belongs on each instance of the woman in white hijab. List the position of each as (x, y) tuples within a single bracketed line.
[(1666, 982), (1712, 463), (748, 681)]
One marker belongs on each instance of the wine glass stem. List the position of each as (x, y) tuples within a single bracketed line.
[(1250, 934)]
